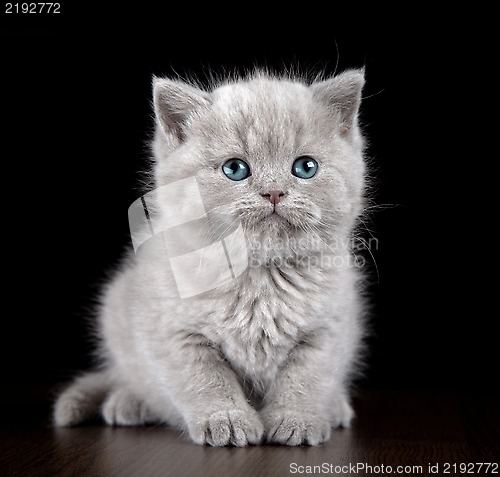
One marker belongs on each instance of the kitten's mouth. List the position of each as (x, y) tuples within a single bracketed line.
[(274, 212), (269, 216), (276, 215)]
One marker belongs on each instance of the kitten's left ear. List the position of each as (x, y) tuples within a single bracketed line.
[(342, 93)]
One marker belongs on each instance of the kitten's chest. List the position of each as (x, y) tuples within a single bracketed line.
[(261, 323)]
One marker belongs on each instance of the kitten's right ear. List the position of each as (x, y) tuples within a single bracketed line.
[(174, 103)]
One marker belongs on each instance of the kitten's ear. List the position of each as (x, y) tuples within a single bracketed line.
[(342, 93), (174, 102)]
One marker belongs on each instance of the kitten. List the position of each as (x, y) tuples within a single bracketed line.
[(258, 335)]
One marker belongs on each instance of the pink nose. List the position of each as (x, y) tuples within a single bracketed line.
[(274, 196)]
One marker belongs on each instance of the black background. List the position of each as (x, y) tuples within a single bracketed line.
[(76, 119)]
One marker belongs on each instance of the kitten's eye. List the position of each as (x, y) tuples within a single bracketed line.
[(236, 169), (304, 167)]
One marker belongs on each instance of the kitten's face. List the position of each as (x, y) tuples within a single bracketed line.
[(277, 155)]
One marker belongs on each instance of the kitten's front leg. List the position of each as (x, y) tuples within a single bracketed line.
[(206, 391), (306, 400)]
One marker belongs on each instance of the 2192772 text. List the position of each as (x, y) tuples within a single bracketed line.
[(32, 8)]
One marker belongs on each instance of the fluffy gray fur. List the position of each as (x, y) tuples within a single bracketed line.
[(270, 356)]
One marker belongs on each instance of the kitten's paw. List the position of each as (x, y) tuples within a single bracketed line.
[(294, 429), (122, 408), (222, 428)]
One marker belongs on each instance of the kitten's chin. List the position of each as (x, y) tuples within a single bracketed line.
[(276, 217), (275, 220), (278, 226)]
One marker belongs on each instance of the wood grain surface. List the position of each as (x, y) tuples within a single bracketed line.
[(415, 430)]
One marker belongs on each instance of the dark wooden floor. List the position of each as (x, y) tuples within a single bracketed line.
[(393, 428)]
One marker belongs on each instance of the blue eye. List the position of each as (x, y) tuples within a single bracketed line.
[(304, 167), (236, 169)]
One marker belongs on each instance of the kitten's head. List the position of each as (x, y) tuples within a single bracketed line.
[(281, 155)]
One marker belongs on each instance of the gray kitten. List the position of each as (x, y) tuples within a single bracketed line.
[(258, 335)]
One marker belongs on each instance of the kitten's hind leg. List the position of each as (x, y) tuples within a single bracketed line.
[(81, 400), (123, 408)]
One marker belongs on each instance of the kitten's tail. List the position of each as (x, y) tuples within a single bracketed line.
[(82, 399)]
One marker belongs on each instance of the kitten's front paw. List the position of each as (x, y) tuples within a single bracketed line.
[(294, 429), (222, 428)]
